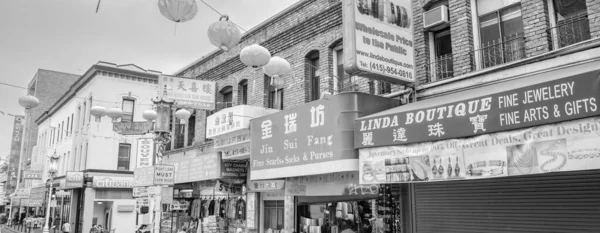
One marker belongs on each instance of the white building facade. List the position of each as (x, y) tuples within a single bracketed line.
[(95, 171)]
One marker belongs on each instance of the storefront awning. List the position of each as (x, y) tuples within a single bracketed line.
[(554, 96)]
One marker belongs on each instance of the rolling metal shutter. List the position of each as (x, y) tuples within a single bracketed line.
[(557, 202)]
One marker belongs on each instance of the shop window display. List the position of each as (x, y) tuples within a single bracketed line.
[(213, 214)]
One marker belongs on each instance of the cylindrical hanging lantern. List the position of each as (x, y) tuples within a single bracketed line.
[(183, 115), (114, 113), (224, 34), (29, 101), (255, 56), (98, 112), (149, 115)]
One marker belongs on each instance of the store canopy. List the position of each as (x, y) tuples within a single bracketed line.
[(518, 102)]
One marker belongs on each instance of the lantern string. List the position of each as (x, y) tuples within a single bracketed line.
[(11, 85), (215, 10)]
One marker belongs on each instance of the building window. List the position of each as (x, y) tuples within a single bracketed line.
[(312, 66), (275, 95), (191, 128), (344, 82), (83, 113), (124, 156), (385, 88), (90, 108), (501, 30), (179, 134), (243, 92), (273, 217), (570, 23), (441, 66), (227, 97), (128, 107), (72, 119)]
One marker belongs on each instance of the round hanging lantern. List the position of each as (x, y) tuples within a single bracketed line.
[(29, 101), (183, 115), (255, 56), (277, 66), (224, 33), (114, 113), (98, 112), (178, 11), (149, 115)]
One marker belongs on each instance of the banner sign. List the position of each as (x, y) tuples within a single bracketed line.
[(310, 139), (190, 93), (132, 128), (145, 152), (112, 182), (544, 103), (567, 146), (265, 185), (15, 152), (22, 193), (191, 167), (378, 39), (234, 169), (32, 174), (333, 184), (74, 180)]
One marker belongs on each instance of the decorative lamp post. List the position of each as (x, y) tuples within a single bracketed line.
[(224, 34), (98, 112), (29, 101), (149, 115), (161, 126), (52, 170), (114, 113), (183, 115), (255, 56)]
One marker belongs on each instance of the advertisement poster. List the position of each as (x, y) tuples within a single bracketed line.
[(311, 139), (566, 146), (189, 93), (378, 39), (559, 100)]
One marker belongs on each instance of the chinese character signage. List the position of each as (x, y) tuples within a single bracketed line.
[(265, 185), (32, 174), (190, 167), (314, 138), (233, 119), (378, 39), (74, 180), (543, 103), (132, 128), (112, 182), (189, 93), (15, 151), (145, 152), (566, 146)]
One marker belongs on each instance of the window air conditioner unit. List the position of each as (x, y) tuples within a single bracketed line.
[(436, 18)]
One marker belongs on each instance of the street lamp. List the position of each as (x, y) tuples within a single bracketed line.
[(161, 126), (52, 170)]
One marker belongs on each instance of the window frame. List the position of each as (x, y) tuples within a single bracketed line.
[(243, 90), (336, 81), (226, 91), (314, 59), (119, 160), (271, 92), (125, 99)]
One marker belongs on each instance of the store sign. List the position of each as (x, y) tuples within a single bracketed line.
[(132, 128), (74, 180), (145, 152), (334, 184), (191, 167), (233, 119), (32, 174), (62, 193), (378, 39), (190, 93), (312, 138), (229, 188), (265, 185), (140, 191), (234, 169), (112, 182), (544, 103), (179, 205), (15, 151), (22, 193), (237, 152), (232, 140), (566, 146)]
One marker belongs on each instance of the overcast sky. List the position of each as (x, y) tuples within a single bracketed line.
[(68, 36)]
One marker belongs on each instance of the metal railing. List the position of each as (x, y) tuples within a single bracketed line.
[(509, 49), (571, 30), (441, 68)]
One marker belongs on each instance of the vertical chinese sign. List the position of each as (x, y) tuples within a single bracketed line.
[(188, 93), (145, 152), (15, 151)]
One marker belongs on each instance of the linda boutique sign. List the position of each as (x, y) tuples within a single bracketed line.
[(378, 39), (314, 138), (230, 129), (546, 102)]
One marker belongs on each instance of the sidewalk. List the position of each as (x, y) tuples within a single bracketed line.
[(20, 229)]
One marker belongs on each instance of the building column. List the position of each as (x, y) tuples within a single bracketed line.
[(88, 210), (535, 25), (461, 33), (289, 214), (593, 9)]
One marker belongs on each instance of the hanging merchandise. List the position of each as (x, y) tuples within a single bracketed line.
[(178, 11), (114, 113), (149, 115), (98, 112), (255, 56), (224, 34)]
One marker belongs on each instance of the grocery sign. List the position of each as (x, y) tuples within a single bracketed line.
[(378, 40)]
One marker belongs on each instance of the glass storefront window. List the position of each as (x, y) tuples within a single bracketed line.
[(273, 216)]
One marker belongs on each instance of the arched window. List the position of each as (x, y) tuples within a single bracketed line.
[(312, 75), (227, 97), (243, 92)]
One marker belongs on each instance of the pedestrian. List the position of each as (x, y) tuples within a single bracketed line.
[(94, 229), (100, 229), (66, 227)]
